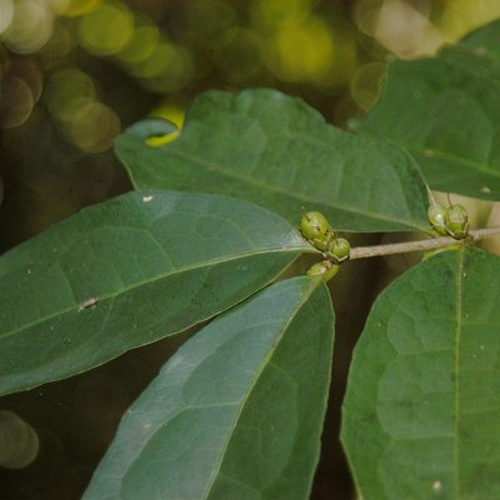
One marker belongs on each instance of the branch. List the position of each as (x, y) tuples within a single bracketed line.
[(421, 245)]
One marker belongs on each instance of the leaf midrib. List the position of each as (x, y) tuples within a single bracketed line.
[(265, 362), (301, 197), (180, 270), (458, 332)]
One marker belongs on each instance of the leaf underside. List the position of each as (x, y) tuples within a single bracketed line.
[(276, 151), (420, 417), (129, 272), (444, 111), (237, 412)]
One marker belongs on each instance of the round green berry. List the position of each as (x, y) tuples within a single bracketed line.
[(325, 269), (316, 228), (457, 221), (323, 243), (437, 217), (314, 225), (339, 250), (319, 268)]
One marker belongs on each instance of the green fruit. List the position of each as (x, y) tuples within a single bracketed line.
[(325, 269), (319, 268), (457, 222), (314, 225), (316, 228), (437, 217), (339, 250), (325, 241)]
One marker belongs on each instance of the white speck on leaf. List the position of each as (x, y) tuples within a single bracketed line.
[(147, 199), (89, 303), (437, 486)]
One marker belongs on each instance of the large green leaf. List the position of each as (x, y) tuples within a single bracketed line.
[(444, 111), (421, 414), (128, 272), (237, 412), (276, 151)]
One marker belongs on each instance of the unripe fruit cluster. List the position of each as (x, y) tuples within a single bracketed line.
[(318, 231), (316, 228), (452, 221)]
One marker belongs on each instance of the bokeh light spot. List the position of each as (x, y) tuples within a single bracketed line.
[(142, 45), (402, 27), (58, 47), (74, 8), (30, 28), (6, 14), (301, 52), (168, 69), (157, 62), (107, 29), (269, 15), (67, 91), (462, 16), (17, 102), (207, 18), (94, 127), (238, 53)]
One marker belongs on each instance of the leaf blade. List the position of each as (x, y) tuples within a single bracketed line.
[(422, 390), (243, 425), (277, 152), (449, 125), (128, 272)]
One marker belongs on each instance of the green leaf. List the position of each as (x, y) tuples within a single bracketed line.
[(420, 417), (274, 150), (129, 272), (444, 111), (485, 40), (237, 412)]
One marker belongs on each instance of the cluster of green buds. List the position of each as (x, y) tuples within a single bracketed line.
[(452, 221), (318, 231)]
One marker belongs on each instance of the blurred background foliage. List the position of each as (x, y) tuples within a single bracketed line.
[(74, 73)]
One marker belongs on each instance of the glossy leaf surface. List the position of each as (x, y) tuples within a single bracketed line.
[(276, 151), (444, 111), (129, 272), (237, 412), (420, 417)]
